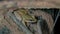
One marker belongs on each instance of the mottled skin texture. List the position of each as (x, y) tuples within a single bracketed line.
[(26, 18)]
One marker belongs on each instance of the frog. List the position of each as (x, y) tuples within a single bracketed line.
[(26, 17)]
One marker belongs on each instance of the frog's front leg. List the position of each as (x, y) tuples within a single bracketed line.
[(24, 23)]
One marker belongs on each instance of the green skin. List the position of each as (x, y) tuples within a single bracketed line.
[(26, 17)]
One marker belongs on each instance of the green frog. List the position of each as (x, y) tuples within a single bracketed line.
[(26, 17)]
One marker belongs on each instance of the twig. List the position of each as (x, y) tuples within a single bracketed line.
[(39, 27), (55, 21)]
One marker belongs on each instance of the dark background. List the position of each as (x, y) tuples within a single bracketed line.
[(57, 27), (53, 12)]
